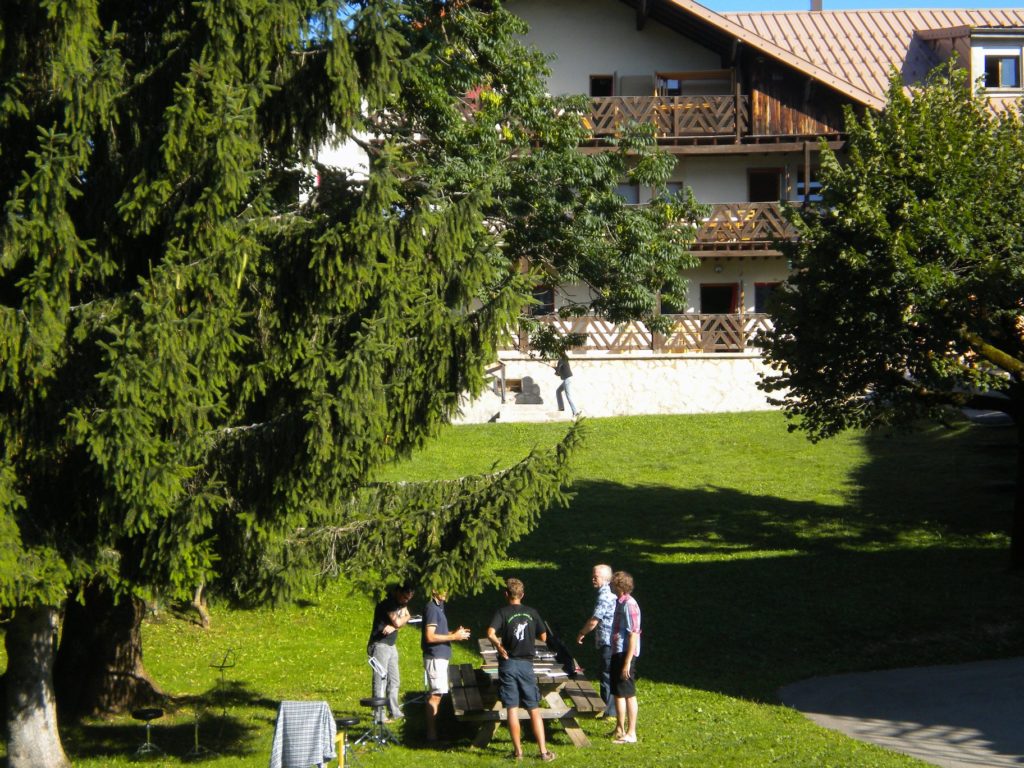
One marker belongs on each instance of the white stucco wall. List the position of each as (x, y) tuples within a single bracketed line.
[(600, 37), (345, 155)]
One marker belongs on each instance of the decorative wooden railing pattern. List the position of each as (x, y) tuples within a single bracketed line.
[(674, 116), (743, 227), (690, 333)]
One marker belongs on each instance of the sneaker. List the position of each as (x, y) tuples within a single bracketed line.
[(548, 756), (625, 740)]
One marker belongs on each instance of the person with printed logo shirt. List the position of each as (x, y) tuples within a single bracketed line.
[(436, 643), (512, 632), (625, 651)]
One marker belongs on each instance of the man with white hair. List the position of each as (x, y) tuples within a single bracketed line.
[(601, 620)]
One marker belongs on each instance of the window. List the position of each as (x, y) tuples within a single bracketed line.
[(630, 193), (544, 295), (602, 85), (811, 192), (762, 294), (669, 308), (1002, 71), (714, 82)]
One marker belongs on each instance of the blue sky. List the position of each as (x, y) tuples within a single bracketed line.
[(727, 6)]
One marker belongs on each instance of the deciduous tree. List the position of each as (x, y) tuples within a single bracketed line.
[(907, 292)]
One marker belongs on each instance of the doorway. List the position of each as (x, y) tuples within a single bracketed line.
[(719, 298)]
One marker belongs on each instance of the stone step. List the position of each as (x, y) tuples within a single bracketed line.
[(539, 412)]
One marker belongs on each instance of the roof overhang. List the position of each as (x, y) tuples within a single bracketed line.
[(697, 22)]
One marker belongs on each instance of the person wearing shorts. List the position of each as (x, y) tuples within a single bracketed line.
[(512, 632), (625, 651), (436, 643)]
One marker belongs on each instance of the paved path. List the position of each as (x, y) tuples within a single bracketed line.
[(963, 716)]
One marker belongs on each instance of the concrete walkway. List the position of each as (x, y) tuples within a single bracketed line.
[(963, 716)]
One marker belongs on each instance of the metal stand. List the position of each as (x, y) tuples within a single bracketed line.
[(224, 664), (198, 752), (378, 734), (148, 715)]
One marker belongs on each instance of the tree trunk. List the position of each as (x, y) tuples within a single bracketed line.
[(199, 603), (1017, 530), (99, 663), (33, 740)]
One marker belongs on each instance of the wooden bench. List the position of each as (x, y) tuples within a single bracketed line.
[(474, 695), (585, 699)]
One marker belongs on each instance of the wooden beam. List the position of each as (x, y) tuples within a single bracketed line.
[(642, 11), (729, 149)]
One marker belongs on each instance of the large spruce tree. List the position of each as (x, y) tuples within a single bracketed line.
[(204, 355)]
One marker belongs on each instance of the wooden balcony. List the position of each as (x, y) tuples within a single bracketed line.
[(690, 333), (676, 117), (751, 229)]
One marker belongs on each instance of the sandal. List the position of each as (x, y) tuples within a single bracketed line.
[(516, 756), (625, 740), (548, 756)]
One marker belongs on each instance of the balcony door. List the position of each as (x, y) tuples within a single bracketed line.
[(719, 298), (764, 185)]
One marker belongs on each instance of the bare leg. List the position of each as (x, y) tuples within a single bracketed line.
[(538, 729), (631, 710), (620, 717), (513, 730), (433, 705)]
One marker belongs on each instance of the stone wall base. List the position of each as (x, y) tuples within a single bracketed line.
[(625, 385)]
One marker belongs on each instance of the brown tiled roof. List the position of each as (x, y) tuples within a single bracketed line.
[(730, 25), (858, 48)]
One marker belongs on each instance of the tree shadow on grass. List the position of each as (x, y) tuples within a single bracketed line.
[(742, 593), (220, 728)]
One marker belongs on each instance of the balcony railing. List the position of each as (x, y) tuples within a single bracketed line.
[(675, 117), (690, 333), (743, 227)]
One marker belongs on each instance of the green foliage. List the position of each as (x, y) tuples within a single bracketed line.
[(907, 282), (761, 559), (447, 535), (195, 364)]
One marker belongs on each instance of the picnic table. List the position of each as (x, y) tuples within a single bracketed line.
[(474, 694)]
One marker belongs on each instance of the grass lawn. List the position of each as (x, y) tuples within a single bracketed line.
[(760, 559)]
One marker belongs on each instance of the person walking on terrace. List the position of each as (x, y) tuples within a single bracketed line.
[(512, 632), (600, 623), (564, 372), (389, 616), (436, 644), (625, 651)]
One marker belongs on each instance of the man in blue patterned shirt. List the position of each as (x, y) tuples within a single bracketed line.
[(601, 620)]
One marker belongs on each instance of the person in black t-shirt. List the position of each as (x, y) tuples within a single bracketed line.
[(389, 616), (512, 632)]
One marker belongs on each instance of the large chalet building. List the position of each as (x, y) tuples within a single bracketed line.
[(741, 100)]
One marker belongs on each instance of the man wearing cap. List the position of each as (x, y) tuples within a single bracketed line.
[(390, 615)]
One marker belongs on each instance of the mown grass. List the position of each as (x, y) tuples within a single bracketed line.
[(760, 559)]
